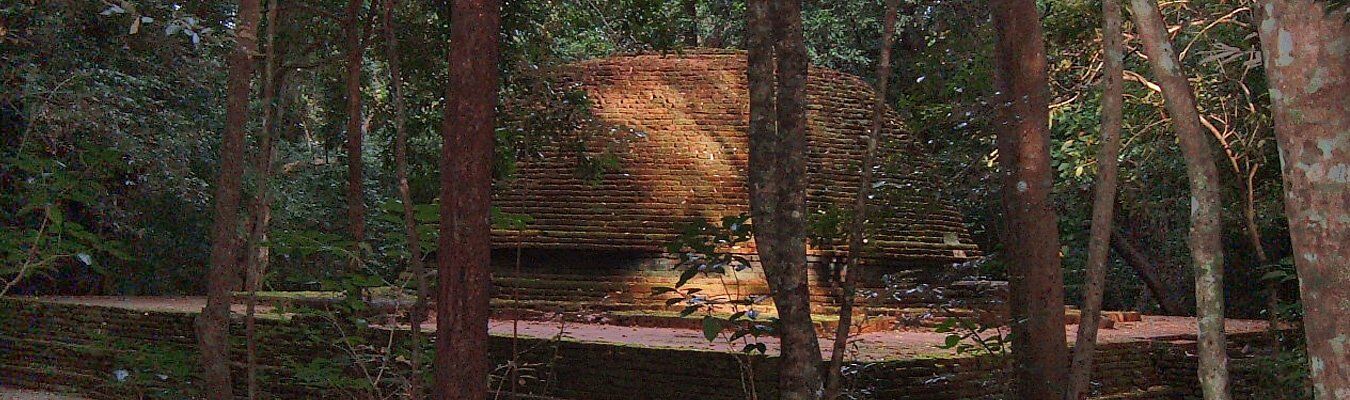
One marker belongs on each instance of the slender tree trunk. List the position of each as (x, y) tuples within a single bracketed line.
[(1104, 202), (419, 274), (1308, 70), (691, 29), (213, 325), (1030, 235), (777, 192), (1147, 270), (466, 179), (857, 228), (1253, 230), (261, 209), (1206, 242), (1271, 287), (356, 206)]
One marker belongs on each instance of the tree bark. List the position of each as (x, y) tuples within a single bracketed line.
[(691, 28), (1308, 71), (261, 208), (464, 244), (213, 325), (1206, 243), (418, 268), (777, 192), (1104, 202), (1147, 270), (1030, 235), (856, 230), (356, 206)]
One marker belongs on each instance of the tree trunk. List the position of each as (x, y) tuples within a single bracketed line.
[(419, 274), (356, 206), (213, 325), (464, 244), (857, 228), (261, 208), (777, 192), (1104, 202), (1147, 271), (1308, 71), (1206, 243), (1030, 235), (1270, 286), (691, 28)]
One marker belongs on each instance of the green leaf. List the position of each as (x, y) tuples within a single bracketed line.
[(711, 327), (688, 310), (945, 326), (952, 341), (55, 214), (427, 213), (686, 276)]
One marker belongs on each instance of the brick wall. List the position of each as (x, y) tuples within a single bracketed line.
[(550, 280)]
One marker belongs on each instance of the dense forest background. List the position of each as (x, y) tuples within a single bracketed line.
[(111, 113)]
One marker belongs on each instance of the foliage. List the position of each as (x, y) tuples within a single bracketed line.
[(116, 107), (972, 336), (155, 370), (705, 249), (1281, 375), (542, 108), (829, 225), (969, 316), (368, 362), (1283, 273), (37, 237)]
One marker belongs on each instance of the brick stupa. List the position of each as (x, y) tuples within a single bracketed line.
[(679, 138)]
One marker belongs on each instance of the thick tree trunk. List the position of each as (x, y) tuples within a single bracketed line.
[(464, 244), (1308, 70), (213, 325), (356, 206), (1147, 270), (419, 273), (777, 192), (1030, 235), (261, 208), (1206, 243), (1104, 202), (857, 228)]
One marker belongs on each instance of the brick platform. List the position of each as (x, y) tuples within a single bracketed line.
[(73, 345)]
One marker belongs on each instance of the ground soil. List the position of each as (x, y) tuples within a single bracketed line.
[(21, 394)]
